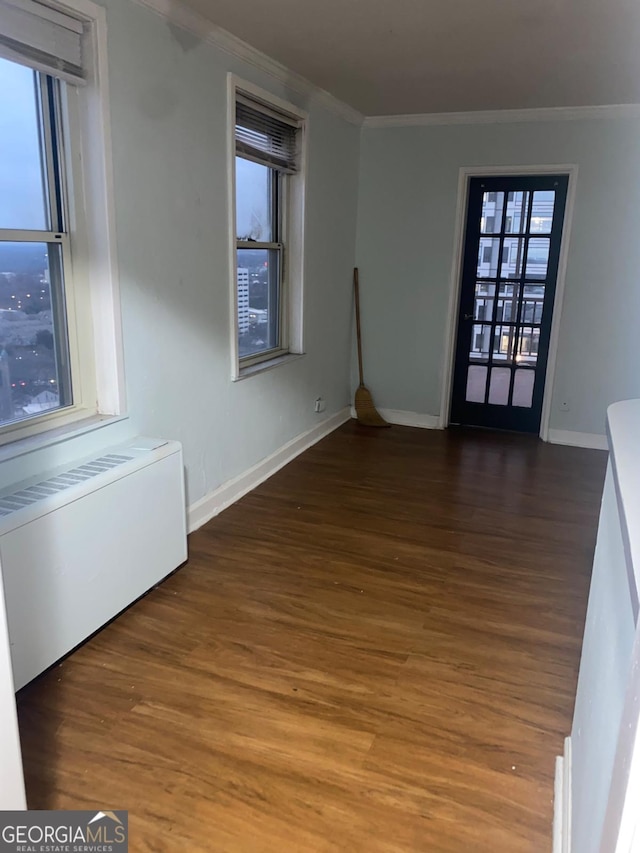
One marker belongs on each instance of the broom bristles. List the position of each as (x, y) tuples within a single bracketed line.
[(366, 412)]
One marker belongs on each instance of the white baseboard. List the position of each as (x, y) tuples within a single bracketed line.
[(578, 439), (402, 418), (228, 493), (562, 801), (414, 419), (556, 436)]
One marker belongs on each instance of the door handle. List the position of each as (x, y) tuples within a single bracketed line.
[(468, 316)]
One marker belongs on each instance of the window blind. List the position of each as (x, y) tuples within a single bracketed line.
[(266, 136), (42, 38)]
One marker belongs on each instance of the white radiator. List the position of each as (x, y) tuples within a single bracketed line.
[(80, 544)]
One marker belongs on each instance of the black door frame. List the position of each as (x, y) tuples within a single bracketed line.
[(461, 306)]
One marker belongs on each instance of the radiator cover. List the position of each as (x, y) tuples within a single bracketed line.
[(81, 543)]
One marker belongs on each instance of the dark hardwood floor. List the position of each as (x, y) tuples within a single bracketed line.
[(376, 650)]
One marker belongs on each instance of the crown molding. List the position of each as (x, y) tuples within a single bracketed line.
[(605, 111), (178, 14)]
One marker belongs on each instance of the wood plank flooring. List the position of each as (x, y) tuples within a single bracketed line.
[(376, 650)]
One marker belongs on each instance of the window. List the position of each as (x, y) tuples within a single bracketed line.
[(53, 205), (267, 190), (35, 371)]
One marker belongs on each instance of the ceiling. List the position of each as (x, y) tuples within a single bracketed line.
[(394, 57)]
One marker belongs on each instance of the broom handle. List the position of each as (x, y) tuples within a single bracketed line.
[(356, 288)]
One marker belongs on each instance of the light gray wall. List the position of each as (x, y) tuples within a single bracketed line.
[(406, 218), (169, 133)]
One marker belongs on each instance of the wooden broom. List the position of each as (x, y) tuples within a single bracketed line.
[(366, 412)]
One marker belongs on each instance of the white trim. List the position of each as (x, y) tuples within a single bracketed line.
[(259, 94), (269, 364), (92, 227), (603, 111), (231, 242), (558, 302), (12, 792), (181, 16), (562, 801), (558, 805), (100, 215), (451, 328), (412, 419), (399, 417), (228, 493), (567, 803), (464, 175), (56, 435), (578, 439)]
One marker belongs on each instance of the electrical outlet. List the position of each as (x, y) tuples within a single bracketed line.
[(319, 405), (564, 406)]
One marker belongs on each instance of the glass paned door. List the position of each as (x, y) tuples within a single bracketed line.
[(512, 247)]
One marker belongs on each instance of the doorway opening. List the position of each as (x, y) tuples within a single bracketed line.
[(512, 243)]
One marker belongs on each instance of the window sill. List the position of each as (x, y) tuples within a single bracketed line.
[(263, 366), (31, 443)]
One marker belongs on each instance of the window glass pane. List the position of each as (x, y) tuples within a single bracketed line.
[(533, 303), (523, 388), (507, 302), (528, 345), (542, 211), (476, 383), (512, 257), (483, 308), (480, 340), (34, 375), (488, 257), (491, 221), (503, 343), (499, 386), (23, 200), (258, 276), (538, 257), (516, 218), (254, 202)]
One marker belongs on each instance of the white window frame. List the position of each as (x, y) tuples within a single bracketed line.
[(91, 282), (292, 210)]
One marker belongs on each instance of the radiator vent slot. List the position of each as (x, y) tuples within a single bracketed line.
[(29, 495)]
